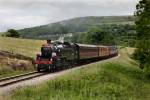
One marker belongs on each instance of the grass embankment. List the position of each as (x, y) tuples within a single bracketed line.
[(111, 79), (13, 66), (26, 47)]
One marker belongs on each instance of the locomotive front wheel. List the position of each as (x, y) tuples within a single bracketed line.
[(38, 69)]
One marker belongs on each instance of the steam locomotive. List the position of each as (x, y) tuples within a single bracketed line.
[(64, 55)]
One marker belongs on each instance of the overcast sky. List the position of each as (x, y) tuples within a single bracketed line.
[(28, 13)]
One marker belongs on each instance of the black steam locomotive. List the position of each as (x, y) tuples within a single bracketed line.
[(63, 55)]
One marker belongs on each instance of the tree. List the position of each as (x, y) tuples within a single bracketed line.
[(142, 54), (95, 36), (12, 33)]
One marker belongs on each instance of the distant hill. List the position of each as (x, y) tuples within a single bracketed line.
[(80, 24)]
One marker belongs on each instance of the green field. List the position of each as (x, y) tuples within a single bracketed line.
[(113, 79), (25, 47)]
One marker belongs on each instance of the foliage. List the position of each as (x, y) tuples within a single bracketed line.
[(96, 36), (142, 53), (12, 33), (108, 35)]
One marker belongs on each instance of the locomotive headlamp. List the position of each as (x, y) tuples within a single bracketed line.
[(54, 54)]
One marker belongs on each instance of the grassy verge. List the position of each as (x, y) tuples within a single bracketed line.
[(112, 79), (13, 66), (6, 71)]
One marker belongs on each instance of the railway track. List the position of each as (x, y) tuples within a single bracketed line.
[(18, 78), (22, 77)]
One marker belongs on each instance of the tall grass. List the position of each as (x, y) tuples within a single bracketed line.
[(115, 79), (6, 71)]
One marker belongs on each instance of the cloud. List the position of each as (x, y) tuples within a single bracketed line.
[(26, 13)]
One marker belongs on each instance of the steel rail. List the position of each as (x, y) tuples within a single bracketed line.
[(20, 75), (16, 79)]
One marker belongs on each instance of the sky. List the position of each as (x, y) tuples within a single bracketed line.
[(20, 14)]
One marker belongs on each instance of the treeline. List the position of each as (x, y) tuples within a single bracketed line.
[(108, 35)]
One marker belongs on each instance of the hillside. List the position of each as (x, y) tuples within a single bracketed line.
[(112, 79), (26, 47), (80, 24)]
